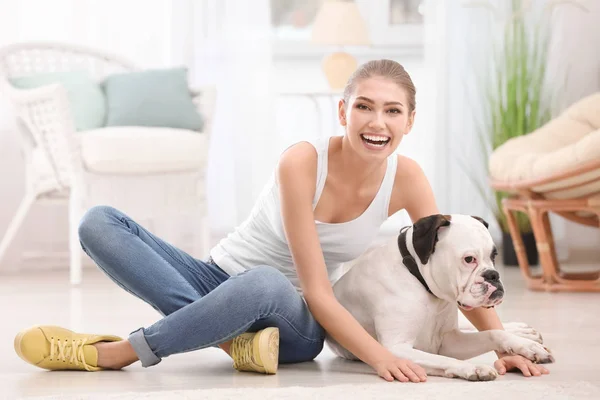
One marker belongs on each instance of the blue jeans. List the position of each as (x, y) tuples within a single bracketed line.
[(202, 306)]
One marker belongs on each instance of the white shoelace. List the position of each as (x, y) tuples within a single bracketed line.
[(63, 349)]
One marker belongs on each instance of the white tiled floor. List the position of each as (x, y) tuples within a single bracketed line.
[(569, 323)]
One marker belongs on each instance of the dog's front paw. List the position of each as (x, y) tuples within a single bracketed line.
[(472, 372), (532, 351), (523, 330)]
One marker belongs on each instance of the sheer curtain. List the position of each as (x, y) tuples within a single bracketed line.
[(230, 46), (452, 58), (457, 48)]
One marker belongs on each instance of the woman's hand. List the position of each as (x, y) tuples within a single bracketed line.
[(510, 363), (392, 367)]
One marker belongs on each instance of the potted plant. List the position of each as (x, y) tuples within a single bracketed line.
[(514, 98)]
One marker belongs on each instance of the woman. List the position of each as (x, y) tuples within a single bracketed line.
[(264, 295)]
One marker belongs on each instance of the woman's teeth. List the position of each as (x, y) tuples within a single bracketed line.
[(376, 141)]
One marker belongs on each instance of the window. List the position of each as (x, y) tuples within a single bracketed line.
[(406, 12), (292, 19), (390, 22)]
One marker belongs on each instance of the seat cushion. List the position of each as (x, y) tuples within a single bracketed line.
[(568, 142), (157, 98), (143, 150)]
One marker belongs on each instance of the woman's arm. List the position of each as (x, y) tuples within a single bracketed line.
[(484, 319), (296, 175), (412, 191)]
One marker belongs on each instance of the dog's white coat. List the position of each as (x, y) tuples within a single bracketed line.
[(394, 307)]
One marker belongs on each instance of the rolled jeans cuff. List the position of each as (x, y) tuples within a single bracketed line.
[(142, 349)]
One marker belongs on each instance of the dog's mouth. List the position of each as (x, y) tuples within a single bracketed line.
[(491, 303), (469, 308), (464, 306), (484, 295)]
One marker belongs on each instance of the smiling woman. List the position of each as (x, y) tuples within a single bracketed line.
[(378, 105)]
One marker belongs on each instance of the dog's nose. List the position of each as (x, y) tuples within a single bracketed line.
[(491, 275)]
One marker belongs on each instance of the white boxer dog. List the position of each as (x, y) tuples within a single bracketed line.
[(406, 294)]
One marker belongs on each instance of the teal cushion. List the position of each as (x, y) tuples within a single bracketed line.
[(86, 99), (159, 98)]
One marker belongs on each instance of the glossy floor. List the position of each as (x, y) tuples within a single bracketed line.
[(569, 323)]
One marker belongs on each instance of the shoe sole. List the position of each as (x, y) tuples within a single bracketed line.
[(268, 349)]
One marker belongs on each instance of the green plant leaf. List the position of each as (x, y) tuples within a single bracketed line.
[(513, 95)]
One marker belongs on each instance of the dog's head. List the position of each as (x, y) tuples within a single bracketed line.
[(456, 257)]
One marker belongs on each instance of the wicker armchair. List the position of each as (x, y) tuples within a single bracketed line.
[(555, 169), (55, 154)]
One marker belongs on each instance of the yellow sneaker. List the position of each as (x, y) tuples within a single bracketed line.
[(56, 348), (257, 351)]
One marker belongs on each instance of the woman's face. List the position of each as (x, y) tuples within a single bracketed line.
[(376, 117)]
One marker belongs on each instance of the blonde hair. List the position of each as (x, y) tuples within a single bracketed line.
[(386, 69)]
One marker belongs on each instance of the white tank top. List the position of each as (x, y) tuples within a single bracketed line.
[(260, 239)]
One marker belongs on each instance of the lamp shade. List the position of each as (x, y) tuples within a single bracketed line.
[(340, 23)]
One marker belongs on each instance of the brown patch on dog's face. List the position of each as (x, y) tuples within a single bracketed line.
[(425, 234), (484, 222)]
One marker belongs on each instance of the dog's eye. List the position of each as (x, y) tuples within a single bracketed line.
[(469, 259)]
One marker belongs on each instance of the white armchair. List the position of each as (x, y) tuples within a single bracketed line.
[(147, 172)]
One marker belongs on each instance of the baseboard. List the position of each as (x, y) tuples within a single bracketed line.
[(42, 261)]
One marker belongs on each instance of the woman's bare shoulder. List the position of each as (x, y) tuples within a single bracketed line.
[(408, 168), (299, 157), (298, 163), (300, 150), (412, 190)]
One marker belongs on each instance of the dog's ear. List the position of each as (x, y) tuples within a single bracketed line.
[(483, 221), (425, 234)]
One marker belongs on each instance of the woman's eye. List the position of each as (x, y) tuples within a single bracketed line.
[(394, 111), (362, 107), (469, 259)]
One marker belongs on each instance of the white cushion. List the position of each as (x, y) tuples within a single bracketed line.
[(568, 142), (142, 150)]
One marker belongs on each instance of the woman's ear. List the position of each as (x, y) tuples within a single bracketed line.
[(342, 112), (411, 121)]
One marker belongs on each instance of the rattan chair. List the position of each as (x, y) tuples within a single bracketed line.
[(553, 169)]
